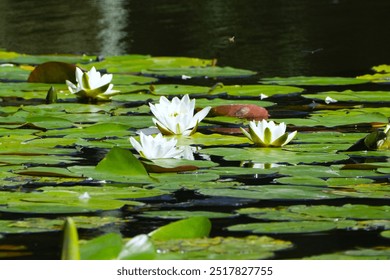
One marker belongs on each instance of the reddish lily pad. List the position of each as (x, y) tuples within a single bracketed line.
[(244, 111), (53, 72)]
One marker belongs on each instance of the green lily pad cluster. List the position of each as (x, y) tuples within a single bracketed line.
[(183, 239), (72, 157)]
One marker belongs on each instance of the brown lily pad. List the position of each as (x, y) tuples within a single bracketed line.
[(242, 111), (53, 72), (153, 168)]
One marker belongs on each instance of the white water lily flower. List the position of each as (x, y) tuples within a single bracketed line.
[(92, 85), (329, 100), (156, 147), (268, 134), (263, 96), (177, 116), (85, 196)]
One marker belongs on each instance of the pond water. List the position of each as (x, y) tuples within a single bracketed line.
[(312, 194), (275, 38)]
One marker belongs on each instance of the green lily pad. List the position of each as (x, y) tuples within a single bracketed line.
[(58, 202), (337, 118), (47, 171), (121, 79), (12, 57), (349, 211), (177, 180), (31, 225), (271, 155), (257, 90), (382, 74), (175, 165), (285, 227), (202, 102), (333, 137), (221, 248), (358, 254), (104, 247), (107, 191), (120, 163), (99, 130), (301, 180), (139, 63), (313, 81), (37, 159), (181, 214), (10, 72), (210, 140), (271, 192), (195, 72), (385, 234), (193, 227), (354, 96), (60, 205)]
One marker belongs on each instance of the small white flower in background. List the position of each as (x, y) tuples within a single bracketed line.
[(385, 142), (92, 85), (7, 65), (185, 77), (265, 165), (268, 134), (188, 152), (156, 147), (85, 196), (329, 100), (263, 96), (177, 116)]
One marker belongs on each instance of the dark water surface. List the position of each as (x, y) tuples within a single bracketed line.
[(273, 37)]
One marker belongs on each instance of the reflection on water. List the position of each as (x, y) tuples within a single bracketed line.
[(112, 24), (273, 37)]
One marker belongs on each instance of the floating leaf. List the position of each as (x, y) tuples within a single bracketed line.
[(285, 227), (178, 214), (257, 90), (352, 96), (349, 211), (313, 81), (121, 162), (385, 234), (194, 227), (105, 247), (271, 155), (358, 254), (221, 248), (53, 72), (271, 192), (12, 72)]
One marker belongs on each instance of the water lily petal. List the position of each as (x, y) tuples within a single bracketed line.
[(281, 141), (290, 137), (278, 131), (267, 136), (246, 134)]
